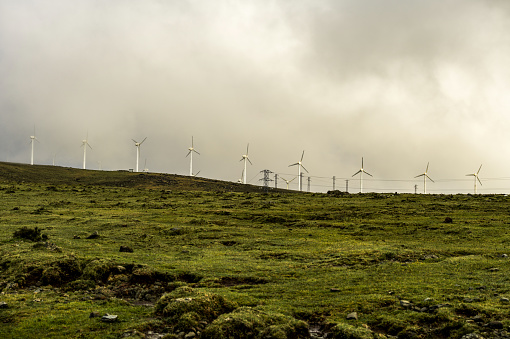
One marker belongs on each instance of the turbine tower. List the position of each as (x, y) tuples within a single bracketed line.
[(245, 158), (287, 181), (300, 165), (425, 176), (84, 144), (476, 177), (190, 153), (137, 145), (360, 172), (32, 141)]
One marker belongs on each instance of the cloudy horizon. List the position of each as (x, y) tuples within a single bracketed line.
[(400, 83)]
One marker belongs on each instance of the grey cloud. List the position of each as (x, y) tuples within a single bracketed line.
[(399, 82)]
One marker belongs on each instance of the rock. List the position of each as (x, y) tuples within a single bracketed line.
[(76, 237), (427, 300), (497, 325), (93, 235), (94, 315), (109, 318), (504, 300), (477, 319), (335, 290), (472, 336), (126, 249), (3, 304), (504, 256), (352, 316), (448, 220), (494, 269), (190, 335), (406, 304)]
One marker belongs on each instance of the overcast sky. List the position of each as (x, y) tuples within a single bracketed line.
[(400, 83)]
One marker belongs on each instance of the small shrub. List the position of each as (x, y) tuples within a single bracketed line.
[(143, 275), (346, 331), (33, 234), (97, 270), (185, 307), (52, 276), (247, 322)]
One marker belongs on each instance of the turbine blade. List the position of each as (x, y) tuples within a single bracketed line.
[(421, 175), (368, 173), (143, 140), (196, 174), (302, 155), (249, 160), (356, 173), (188, 154), (479, 180), (304, 168), (294, 164), (293, 179), (427, 167), (479, 169), (470, 175), (136, 142), (247, 147), (89, 145), (191, 141), (196, 152), (361, 162), (429, 178)]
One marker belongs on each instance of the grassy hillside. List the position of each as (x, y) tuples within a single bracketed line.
[(54, 175), (206, 259)]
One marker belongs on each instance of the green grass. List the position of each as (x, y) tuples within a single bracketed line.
[(278, 252)]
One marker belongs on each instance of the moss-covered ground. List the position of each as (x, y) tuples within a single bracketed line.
[(300, 259)]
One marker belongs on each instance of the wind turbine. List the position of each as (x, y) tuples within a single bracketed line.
[(360, 172), (32, 141), (425, 176), (190, 153), (245, 157), (287, 181), (84, 144), (300, 165), (145, 169), (476, 177), (137, 145)]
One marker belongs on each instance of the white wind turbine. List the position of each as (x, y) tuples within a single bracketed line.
[(137, 145), (476, 177), (300, 165), (84, 144), (360, 172), (33, 139), (190, 154), (245, 158), (425, 176), (287, 181)]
